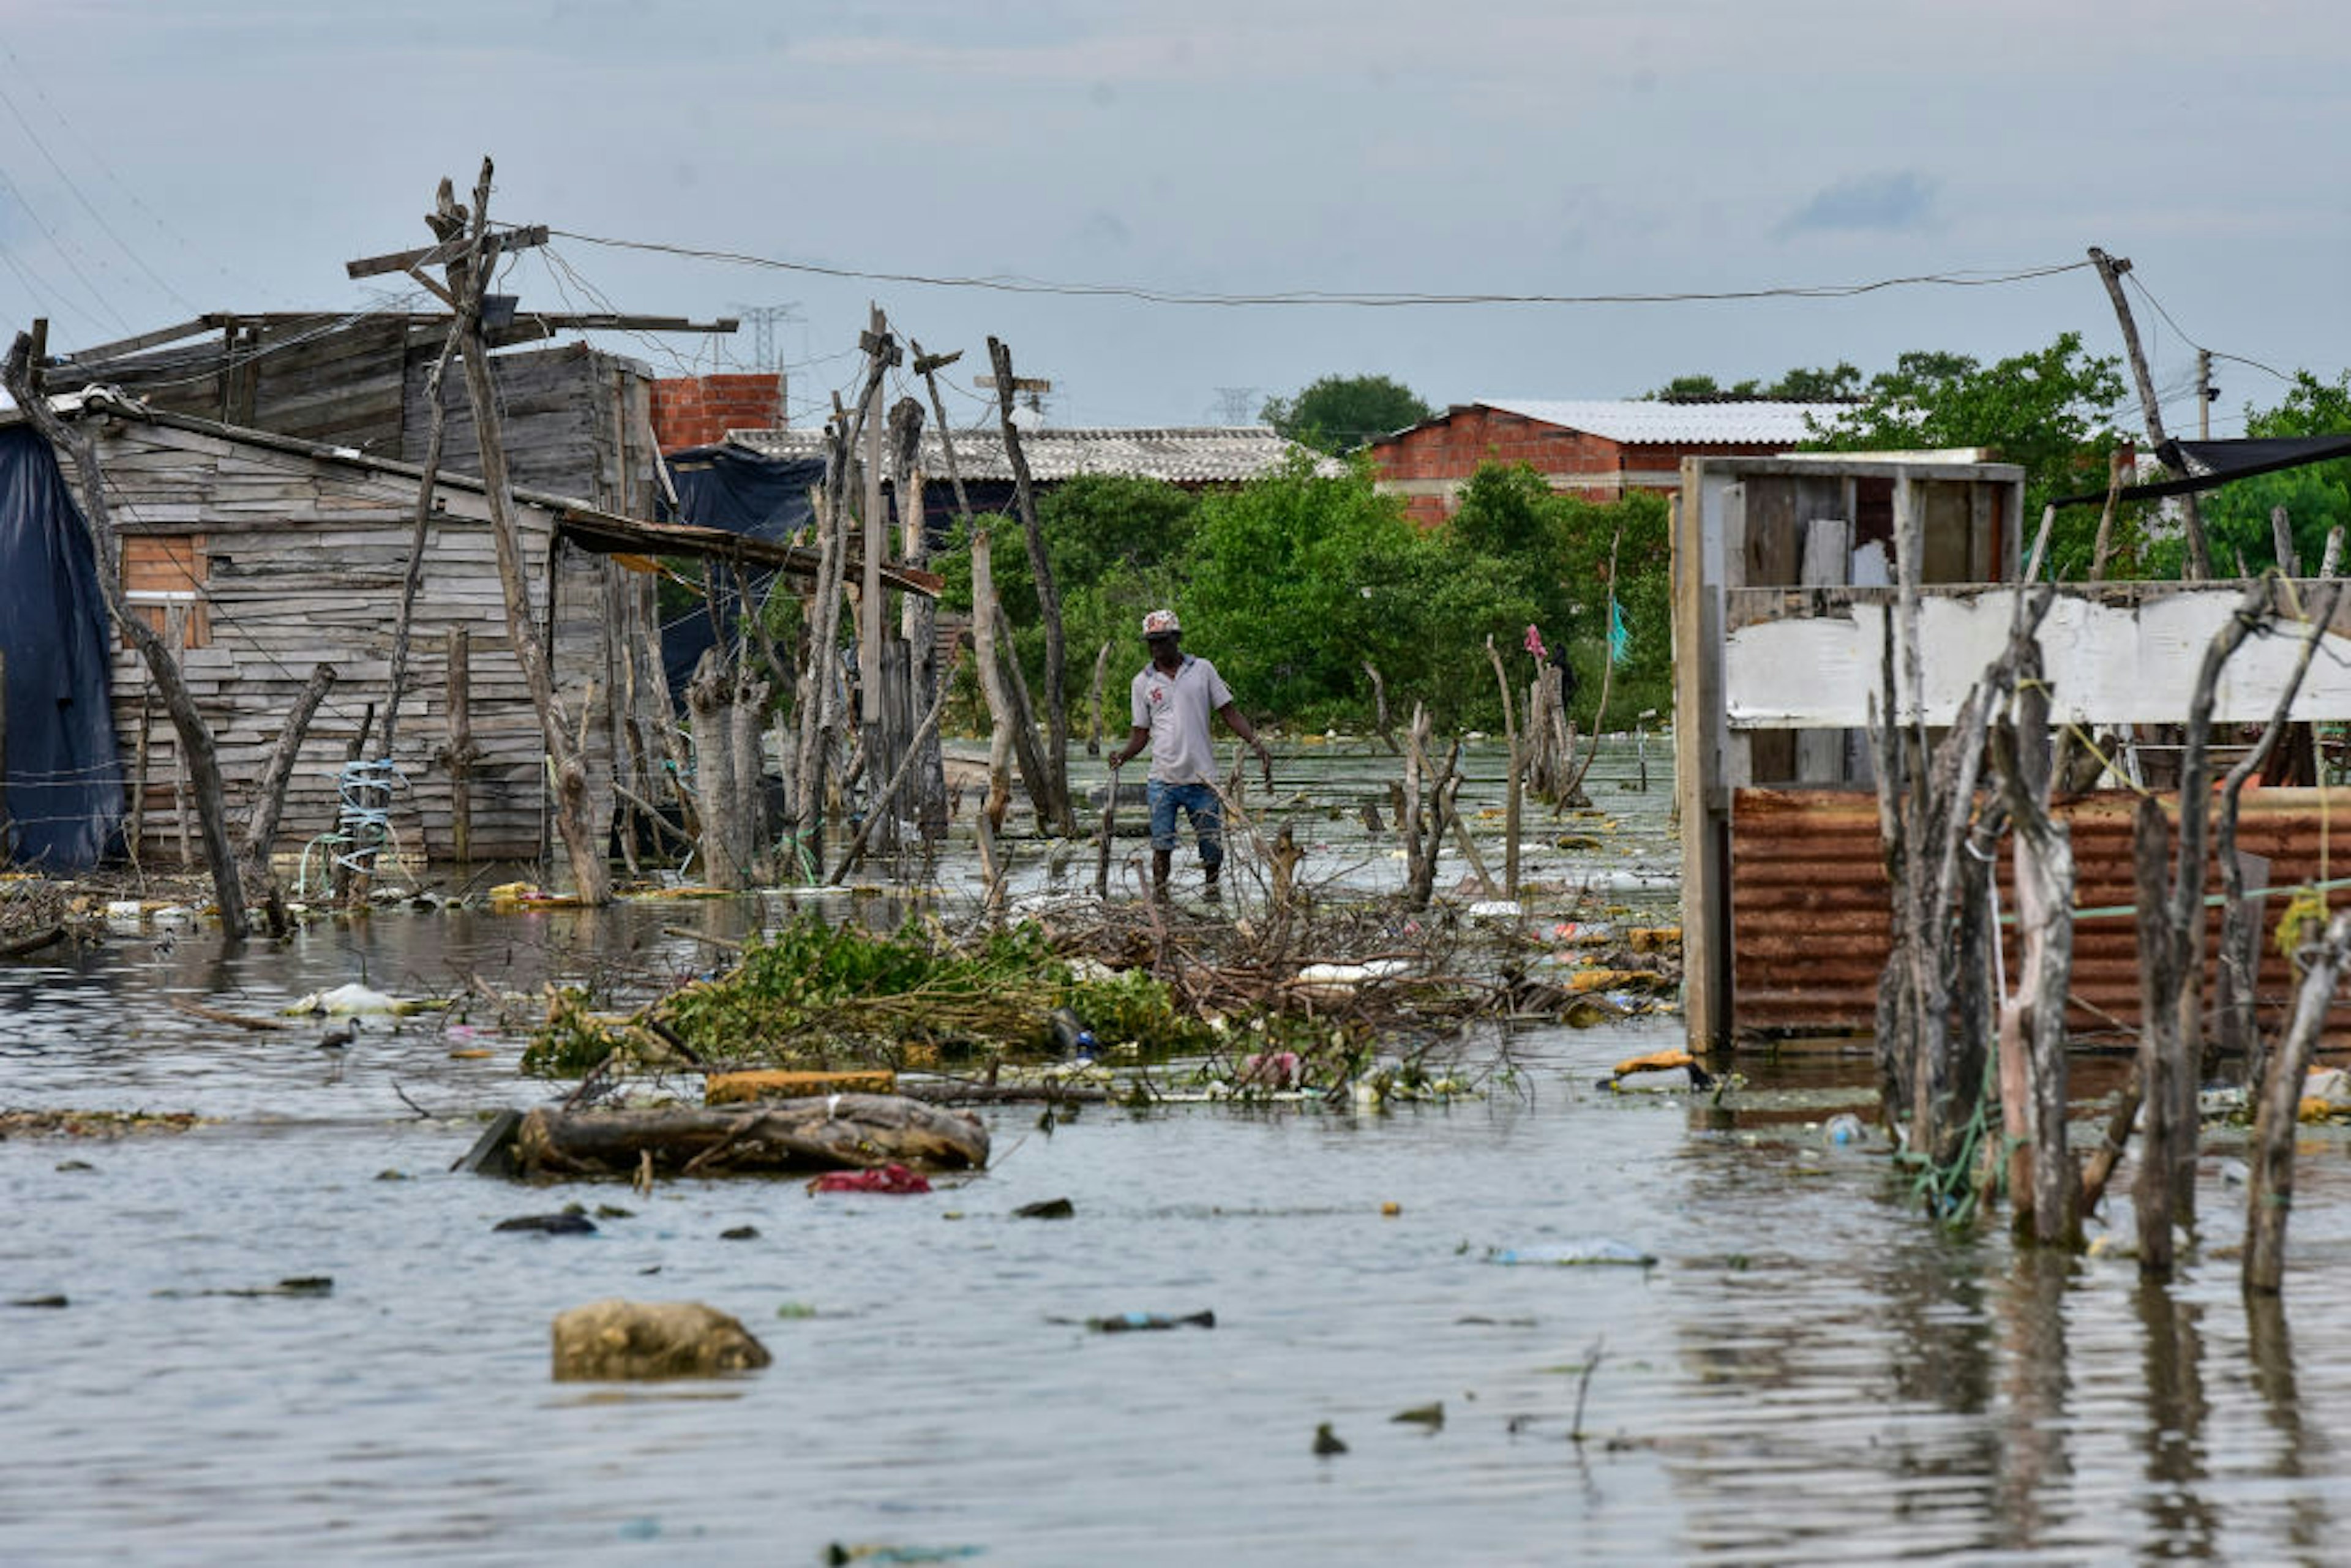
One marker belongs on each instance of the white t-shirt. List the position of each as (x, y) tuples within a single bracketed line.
[(1175, 709)]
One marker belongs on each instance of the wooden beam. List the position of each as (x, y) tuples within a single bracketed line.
[(155, 338), (441, 253)]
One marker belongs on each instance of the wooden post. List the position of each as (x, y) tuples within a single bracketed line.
[(889, 793), (2043, 859), (709, 698), (1827, 561), (1513, 791), (1048, 602), (876, 539), (1701, 801), (2289, 559), (1380, 722), (458, 756), (135, 833), (2237, 1030), (2110, 271), (2269, 1195), (269, 793), (1026, 754), (1101, 674), (918, 620), (175, 636), (415, 577), (469, 275), (999, 739), (2158, 1054), (750, 829)]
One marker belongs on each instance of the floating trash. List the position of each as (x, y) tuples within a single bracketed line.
[(1596, 1251)]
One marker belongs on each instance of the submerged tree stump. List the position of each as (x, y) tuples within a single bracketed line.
[(837, 1132)]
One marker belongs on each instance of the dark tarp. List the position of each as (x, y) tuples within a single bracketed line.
[(65, 784), (730, 488), (733, 488), (2210, 464)]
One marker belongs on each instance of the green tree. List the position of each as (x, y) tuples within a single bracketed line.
[(1117, 546), (1298, 577), (1338, 414), (2316, 498), (1805, 383), (1548, 558), (2045, 410)]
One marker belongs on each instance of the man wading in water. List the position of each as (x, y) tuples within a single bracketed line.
[(1172, 699)]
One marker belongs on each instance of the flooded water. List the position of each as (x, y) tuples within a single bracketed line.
[(1808, 1372)]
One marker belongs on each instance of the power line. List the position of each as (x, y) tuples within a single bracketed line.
[(1016, 284), (2148, 294), (99, 219), (62, 252)]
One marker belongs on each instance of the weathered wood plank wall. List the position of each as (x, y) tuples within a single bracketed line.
[(302, 561)]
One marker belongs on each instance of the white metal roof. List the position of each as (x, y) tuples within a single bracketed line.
[(1180, 455), (1644, 423)]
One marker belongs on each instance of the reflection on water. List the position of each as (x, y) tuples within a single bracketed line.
[(1808, 1375)]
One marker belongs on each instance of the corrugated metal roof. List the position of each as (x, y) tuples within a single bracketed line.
[(1645, 423), (1811, 907), (1180, 456)]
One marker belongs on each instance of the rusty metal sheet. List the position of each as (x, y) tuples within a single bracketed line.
[(1810, 906)]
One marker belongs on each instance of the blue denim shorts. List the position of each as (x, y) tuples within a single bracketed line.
[(1197, 801)]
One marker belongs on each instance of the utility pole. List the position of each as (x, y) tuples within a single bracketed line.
[(2204, 394), (2110, 272), (1031, 389)]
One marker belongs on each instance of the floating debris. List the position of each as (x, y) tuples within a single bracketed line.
[(1595, 1252), (564, 1224)]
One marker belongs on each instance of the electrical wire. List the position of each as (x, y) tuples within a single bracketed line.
[(63, 255), (1013, 284), (99, 219), (2148, 294)]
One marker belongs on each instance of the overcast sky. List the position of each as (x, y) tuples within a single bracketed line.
[(163, 160)]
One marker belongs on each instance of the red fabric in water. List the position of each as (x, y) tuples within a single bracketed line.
[(884, 1178)]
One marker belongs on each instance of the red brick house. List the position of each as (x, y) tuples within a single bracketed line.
[(1599, 450), (698, 410)]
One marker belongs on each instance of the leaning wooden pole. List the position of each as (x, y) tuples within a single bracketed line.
[(436, 431), (2047, 1201), (999, 717), (469, 275), (1049, 600), (2268, 1196), (1025, 755), (2110, 271), (196, 747), (1514, 794), (2236, 1025)]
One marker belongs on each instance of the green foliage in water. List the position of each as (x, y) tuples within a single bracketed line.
[(812, 993)]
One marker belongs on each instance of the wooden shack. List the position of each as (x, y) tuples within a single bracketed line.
[(261, 556), (576, 421), (1782, 600)]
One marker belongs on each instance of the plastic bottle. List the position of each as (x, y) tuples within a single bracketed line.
[(1070, 1035)]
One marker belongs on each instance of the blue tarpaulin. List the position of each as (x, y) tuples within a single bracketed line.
[(743, 493), (64, 781)]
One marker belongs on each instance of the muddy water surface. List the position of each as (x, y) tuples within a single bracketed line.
[(1806, 1374)]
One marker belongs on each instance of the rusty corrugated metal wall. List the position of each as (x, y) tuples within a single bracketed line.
[(1810, 900)]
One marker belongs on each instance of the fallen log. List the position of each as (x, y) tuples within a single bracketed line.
[(19, 946), (837, 1132)]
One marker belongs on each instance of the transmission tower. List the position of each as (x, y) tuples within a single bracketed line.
[(762, 319), (1237, 405)]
